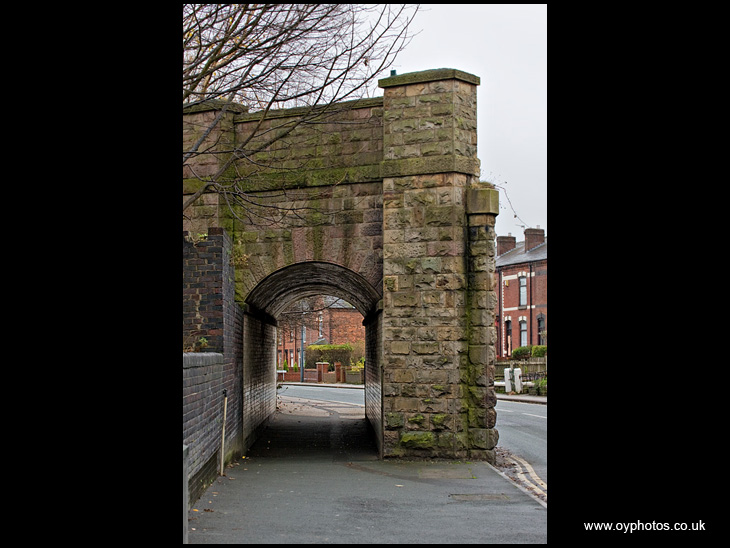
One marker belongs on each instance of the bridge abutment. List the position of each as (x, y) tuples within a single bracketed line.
[(391, 217), (438, 400)]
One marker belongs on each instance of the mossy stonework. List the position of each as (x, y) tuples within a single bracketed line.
[(380, 203)]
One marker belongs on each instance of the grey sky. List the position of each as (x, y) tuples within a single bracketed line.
[(506, 46)]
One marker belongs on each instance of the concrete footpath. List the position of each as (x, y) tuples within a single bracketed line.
[(314, 477)]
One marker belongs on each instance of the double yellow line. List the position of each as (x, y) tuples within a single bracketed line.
[(535, 482)]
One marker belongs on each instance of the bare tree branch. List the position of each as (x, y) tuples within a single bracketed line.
[(262, 57)]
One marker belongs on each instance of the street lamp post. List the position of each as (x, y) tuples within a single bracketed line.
[(301, 352)]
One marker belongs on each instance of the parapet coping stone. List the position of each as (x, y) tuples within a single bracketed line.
[(428, 76), (201, 359)]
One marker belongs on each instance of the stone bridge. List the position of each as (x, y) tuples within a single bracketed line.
[(377, 202)]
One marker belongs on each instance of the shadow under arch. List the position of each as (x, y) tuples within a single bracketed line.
[(274, 294), (278, 290)]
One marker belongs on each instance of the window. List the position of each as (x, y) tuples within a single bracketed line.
[(508, 335), (541, 329), (523, 291), (321, 325), (523, 333)]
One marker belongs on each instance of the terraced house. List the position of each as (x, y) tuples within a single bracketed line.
[(522, 274)]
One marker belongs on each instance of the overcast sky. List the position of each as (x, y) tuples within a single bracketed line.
[(506, 46)]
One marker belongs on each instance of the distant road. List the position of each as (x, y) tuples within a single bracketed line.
[(355, 396)]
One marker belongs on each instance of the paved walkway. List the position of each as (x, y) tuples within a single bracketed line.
[(314, 477)]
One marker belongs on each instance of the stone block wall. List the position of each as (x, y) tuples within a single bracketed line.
[(430, 115), (342, 226), (480, 398), (382, 205), (438, 399), (348, 135)]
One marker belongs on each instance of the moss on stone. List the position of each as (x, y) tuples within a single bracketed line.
[(418, 440), (438, 421), (393, 420)]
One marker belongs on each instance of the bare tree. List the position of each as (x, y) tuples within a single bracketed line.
[(259, 57)]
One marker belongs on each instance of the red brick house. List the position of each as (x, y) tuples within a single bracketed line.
[(325, 320), (522, 291)]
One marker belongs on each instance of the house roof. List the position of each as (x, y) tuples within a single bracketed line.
[(335, 302), (518, 254)]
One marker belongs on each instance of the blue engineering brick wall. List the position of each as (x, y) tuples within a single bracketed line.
[(202, 416), (210, 311)]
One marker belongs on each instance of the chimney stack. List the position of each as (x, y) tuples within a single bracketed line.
[(534, 237), (505, 244)]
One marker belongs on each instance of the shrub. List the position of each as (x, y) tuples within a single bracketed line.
[(538, 351), (522, 352), (328, 353)]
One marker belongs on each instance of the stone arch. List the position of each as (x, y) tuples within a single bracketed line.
[(270, 297), (281, 288)]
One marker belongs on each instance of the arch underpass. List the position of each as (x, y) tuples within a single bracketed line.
[(380, 204), (280, 289), (276, 293)]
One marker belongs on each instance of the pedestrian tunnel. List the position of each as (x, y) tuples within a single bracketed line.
[(264, 305)]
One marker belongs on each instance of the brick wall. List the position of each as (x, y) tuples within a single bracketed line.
[(210, 311), (203, 384), (374, 377), (345, 326), (202, 292), (259, 376)]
